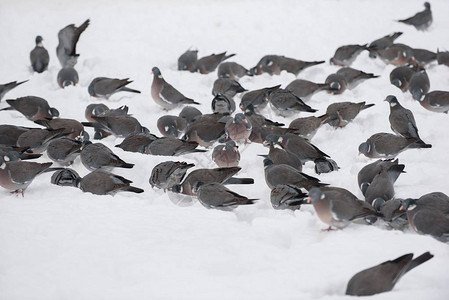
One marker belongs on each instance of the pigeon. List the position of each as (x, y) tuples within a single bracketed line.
[(257, 98), (16, 176), (118, 125), (137, 142), (171, 126), (442, 58), (427, 220), (33, 108), (345, 55), (285, 174), (382, 185), (217, 196), (308, 126), (383, 43), (436, 200), (419, 84), (67, 76), (37, 140), (260, 133), (104, 87), (96, 155), (208, 64), (257, 119), (101, 110), (17, 153), (187, 61), (287, 196), (223, 104), (421, 20), (64, 150), (165, 94), (354, 77), (68, 38), (436, 101), (337, 207), (281, 156), (227, 86), (368, 172), (387, 145), (65, 177), (396, 54), (401, 119), (341, 113), (394, 218), (72, 128), (337, 84), (383, 277), (169, 146), (238, 128), (100, 182), (232, 70), (226, 155), (9, 134), (305, 89), (167, 174), (423, 56), (206, 129), (274, 64), (39, 56), (189, 113), (325, 165), (285, 103), (217, 175), (400, 76), (4, 88)]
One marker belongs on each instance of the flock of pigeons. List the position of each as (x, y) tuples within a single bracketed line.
[(64, 140)]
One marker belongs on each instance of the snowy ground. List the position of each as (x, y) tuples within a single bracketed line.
[(58, 243)]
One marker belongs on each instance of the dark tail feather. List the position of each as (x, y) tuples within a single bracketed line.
[(126, 89), (417, 261), (126, 165), (367, 106), (189, 101), (250, 72), (133, 189), (395, 170), (396, 35), (25, 156), (234, 180), (7, 108), (198, 150), (52, 169), (314, 63), (228, 56), (420, 144)]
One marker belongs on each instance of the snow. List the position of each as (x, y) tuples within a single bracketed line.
[(60, 243)]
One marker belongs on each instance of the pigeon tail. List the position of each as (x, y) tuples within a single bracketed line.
[(365, 106), (234, 180), (189, 101), (417, 261), (126, 89), (132, 189)]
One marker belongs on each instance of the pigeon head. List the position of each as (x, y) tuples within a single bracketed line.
[(377, 203), (182, 66), (54, 112), (396, 82), (39, 40), (407, 204), (427, 5), (11, 156), (417, 94), (333, 120), (249, 109), (156, 72), (241, 119), (315, 194), (267, 162), (364, 148), (2, 162), (97, 109), (66, 177), (66, 83), (392, 100), (176, 188), (272, 139), (323, 165), (363, 187), (196, 186)]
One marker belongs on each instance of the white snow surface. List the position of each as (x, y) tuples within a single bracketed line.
[(60, 243)]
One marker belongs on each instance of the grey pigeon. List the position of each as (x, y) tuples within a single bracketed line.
[(258, 98), (337, 83), (39, 56), (206, 129), (17, 153), (421, 20), (260, 133), (101, 110), (345, 55), (232, 70), (274, 64), (325, 165), (308, 126), (118, 125), (16, 176), (383, 277), (37, 140), (427, 219), (281, 156), (217, 196), (68, 38), (394, 218), (72, 128), (171, 126), (396, 54), (96, 156), (169, 146), (400, 76), (100, 182), (387, 145), (67, 76), (65, 177), (165, 94), (217, 175), (33, 108), (227, 86), (4, 88), (419, 84), (305, 89), (443, 57), (368, 172), (436, 200), (64, 150), (167, 174), (338, 207), (341, 113), (287, 196), (382, 185), (285, 103), (187, 60), (190, 113), (354, 77), (208, 64), (383, 43), (257, 119), (104, 87), (285, 174), (436, 101), (226, 155), (238, 128), (9, 134), (223, 104), (137, 142), (423, 56)]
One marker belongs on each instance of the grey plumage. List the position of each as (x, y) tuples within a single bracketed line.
[(33, 108), (9, 134), (238, 128), (400, 76), (274, 64), (171, 126), (383, 43), (232, 70), (100, 182), (68, 38), (206, 129), (423, 56), (101, 110), (285, 103), (346, 55), (419, 84), (227, 86), (217, 196), (187, 60), (325, 165), (341, 113), (4, 88), (67, 76), (436, 101), (396, 54), (368, 172), (226, 155), (258, 98), (223, 104), (104, 87), (443, 57), (280, 156), (137, 142), (118, 125), (354, 77), (17, 153), (71, 128), (337, 83), (169, 146), (208, 64), (65, 177), (394, 217), (190, 113), (383, 277), (167, 174), (382, 185), (96, 156), (421, 20), (308, 126), (258, 119), (39, 56), (37, 140), (305, 89), (64, 150), (287, 196)]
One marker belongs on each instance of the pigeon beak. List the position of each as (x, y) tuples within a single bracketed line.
[(401, 208), (245, 121), (360, 152), (308, 200)]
